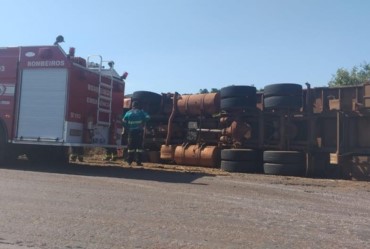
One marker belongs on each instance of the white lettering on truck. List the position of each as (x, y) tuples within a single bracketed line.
[(92, 88), (91, 101), (7, 89), (95, 89), (45, 63)]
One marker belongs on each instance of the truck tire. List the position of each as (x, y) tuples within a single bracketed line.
[(239, 166), (283, 102), (237, 91), (238, 103), (288, 169), (240, 160), (146, 96), (283, 157), (238, 155), (150, 101), (283, 89)]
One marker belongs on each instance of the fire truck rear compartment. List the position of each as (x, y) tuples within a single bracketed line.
[(42, 105)]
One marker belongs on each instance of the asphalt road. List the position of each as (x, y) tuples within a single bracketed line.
[(79, 206)]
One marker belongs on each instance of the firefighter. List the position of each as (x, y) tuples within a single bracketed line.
[(134, 122)]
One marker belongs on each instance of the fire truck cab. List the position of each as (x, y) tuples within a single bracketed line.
[(51, 101)]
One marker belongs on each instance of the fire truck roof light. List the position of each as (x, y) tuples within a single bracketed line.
[(124, 75), (72, 51)]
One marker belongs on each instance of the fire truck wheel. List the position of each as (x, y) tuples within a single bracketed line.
[(237, 91), (239, 166), (60, 154), (288, 169), (283, 89), (283, 157), (238, 155), (238, 103), (49, 154), (3, 145), (283, 102), (35, 155)]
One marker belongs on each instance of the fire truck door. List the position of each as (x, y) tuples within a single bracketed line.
[(42, 104)]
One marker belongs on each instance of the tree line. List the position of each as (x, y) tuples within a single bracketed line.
[(356, 76)]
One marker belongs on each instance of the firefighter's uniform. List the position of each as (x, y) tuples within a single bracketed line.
[(134, 122)]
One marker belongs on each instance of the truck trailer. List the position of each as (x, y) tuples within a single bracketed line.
[(285, 129)]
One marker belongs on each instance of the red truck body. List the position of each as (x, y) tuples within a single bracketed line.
[(48, 97)]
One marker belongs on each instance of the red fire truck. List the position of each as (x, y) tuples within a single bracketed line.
[(51, 101)]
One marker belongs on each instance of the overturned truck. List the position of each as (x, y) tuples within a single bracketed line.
[(282, 130)]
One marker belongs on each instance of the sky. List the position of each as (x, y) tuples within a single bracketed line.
[(187, 45)]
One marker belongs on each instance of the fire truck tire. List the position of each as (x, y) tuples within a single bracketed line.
[(237, 91), (283, 157), (60, 155), (3, 145), (288, 169), (283, 89), (238, 155), (49, 154), (35, 155), (239, 166), (238, 103), (283, 102)]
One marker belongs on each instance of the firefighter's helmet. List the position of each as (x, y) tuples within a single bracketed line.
[(135, 104)]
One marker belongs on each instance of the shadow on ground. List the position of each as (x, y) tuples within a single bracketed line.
[(85, 169)]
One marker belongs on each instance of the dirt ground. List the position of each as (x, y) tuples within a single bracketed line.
[(97, 205), (98, 160)]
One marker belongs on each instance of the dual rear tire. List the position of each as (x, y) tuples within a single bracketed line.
[(239, 160), (235, 98), (287, 163), (285, 96)]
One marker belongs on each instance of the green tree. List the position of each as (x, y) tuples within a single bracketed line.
[(205, 90), (357, 76)]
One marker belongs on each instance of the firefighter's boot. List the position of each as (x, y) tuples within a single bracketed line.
[(130, 157), (138, 159)]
